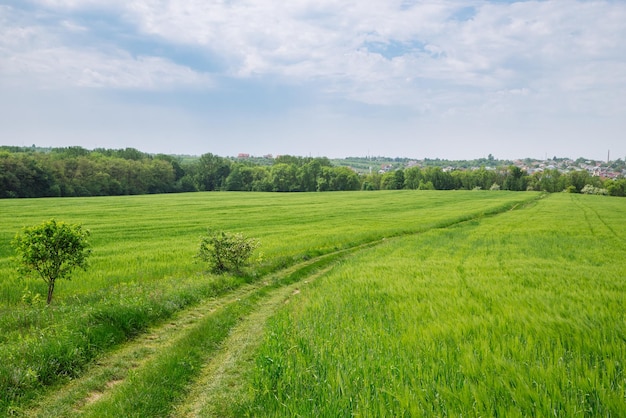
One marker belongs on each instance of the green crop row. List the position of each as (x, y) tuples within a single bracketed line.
[(142, 269), (516, 315)]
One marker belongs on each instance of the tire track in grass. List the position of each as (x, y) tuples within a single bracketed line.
[(149, 375), (221, 388), (152, 390), (585, 210), (111, 370), (112, 373), (609, 228), (155, 389), (221, 384)]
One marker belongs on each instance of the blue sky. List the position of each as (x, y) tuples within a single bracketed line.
[(457, 79)]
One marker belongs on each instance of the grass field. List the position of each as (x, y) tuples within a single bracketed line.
[(516, 315), (401, 303)]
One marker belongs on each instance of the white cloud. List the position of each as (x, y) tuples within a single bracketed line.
[(67, 5), (539, 45), (33, 54), (453, 65), (63, 67), (544, 46)]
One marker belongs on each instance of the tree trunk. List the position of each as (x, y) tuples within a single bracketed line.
[(50, 290)]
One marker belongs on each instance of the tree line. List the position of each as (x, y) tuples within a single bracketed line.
[(75, 171), (501, 178)]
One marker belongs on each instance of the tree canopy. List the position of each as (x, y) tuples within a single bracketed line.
[(75, 171)]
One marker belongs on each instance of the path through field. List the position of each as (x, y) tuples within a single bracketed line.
[(212, 345), (113, 377)]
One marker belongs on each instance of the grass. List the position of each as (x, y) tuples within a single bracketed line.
[(433, 308), (139, 239), (516, 315), (153, 390), (143, 271), (146, 238), (150, 376)]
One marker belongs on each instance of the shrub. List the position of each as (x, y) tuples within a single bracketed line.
[(226, 251), (616, 187), (589, 189), (52, 251)]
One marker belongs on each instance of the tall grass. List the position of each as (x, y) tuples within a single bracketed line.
[(516, 315), (142, 267), (152, 391), (50, 345), (145, 238)]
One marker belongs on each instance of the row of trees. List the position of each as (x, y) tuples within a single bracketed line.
[(286, 174), (506, 178), (75, 171), (78, 172)]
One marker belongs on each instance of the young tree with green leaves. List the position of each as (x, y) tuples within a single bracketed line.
[(52, 250)]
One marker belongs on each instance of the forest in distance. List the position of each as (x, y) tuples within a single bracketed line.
[(27, 172)]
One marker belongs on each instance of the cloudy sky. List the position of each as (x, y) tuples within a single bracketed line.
[(457, 79)]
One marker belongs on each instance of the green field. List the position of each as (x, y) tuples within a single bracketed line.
[(399, 303)]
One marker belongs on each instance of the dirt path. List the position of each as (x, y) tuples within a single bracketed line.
[(112, 369), (222, 376), (221, 384)]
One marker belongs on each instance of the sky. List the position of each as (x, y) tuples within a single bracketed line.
[(450, 79)]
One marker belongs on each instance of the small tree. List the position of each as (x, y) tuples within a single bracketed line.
[(226, 251), (52, 250)]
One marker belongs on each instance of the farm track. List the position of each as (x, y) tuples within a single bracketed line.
[(586, 209), (113, 369), (219, 373)]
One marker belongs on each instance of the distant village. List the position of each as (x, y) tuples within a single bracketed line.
[(603, 169), (607, 170), (366, 165)]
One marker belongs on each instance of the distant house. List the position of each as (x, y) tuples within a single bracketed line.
[(243, 156), (385, 168)]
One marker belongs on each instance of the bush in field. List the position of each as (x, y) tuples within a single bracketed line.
[(616, 187), (589, 189), (52, 250), (226, 251)]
